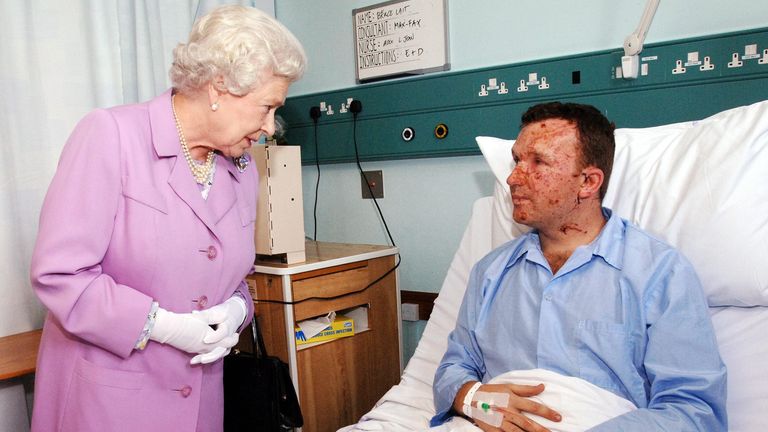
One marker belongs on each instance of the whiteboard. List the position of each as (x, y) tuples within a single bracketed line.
[(400, 37)]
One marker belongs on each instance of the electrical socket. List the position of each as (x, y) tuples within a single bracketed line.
[(376, 181), (410, 311)]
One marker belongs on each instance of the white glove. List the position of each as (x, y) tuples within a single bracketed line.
[(226, 318), (183, 331)]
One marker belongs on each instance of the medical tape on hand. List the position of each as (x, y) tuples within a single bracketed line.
[(484, 403), (467, 405)]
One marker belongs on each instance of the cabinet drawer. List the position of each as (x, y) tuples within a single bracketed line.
[(337, 283)]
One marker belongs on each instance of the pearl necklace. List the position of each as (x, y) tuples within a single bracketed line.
[(201, 172)]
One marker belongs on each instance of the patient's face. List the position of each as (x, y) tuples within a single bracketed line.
[(545, 181)]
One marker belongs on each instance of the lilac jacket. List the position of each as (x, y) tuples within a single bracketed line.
[(123, 224)]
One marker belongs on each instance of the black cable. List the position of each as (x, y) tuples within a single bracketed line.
[(317, 183), (356, 107), (397, 264)]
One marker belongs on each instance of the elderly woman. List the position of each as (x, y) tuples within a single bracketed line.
[(146, 236)]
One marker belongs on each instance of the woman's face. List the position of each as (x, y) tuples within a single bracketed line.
[(242, 119)]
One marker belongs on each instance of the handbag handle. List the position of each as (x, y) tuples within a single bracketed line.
[(259, 349)]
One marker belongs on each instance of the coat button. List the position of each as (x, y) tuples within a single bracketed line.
[(212, 253), (185, 391), (202, 302)]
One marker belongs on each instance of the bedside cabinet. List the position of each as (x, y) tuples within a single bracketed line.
[(337, 381)]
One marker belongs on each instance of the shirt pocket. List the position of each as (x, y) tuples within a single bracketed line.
[(605, 355)]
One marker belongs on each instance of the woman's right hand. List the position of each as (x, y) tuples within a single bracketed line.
[(515, 419)]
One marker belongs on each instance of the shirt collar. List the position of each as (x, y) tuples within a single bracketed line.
[(607, 245), (164, 134)]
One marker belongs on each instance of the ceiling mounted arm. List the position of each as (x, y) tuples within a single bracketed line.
[(633, 44)]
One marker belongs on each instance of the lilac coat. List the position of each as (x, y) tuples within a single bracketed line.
[(124, 224)]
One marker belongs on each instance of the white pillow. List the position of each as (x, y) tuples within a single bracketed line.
[(498, 154), (701, 186)]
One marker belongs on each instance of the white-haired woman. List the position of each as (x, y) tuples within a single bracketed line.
[(146, 236)]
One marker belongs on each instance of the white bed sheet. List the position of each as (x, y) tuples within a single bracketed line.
[(582, 404)]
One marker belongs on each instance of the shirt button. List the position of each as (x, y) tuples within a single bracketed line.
[(212, 253), (185, 391), (202, 302), (548, 297)]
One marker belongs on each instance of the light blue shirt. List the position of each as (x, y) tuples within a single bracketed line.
[(625, 312)]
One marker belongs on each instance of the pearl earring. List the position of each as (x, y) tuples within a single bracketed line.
[(214, 106)]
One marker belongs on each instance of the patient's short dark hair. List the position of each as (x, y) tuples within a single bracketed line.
[(595, 132)]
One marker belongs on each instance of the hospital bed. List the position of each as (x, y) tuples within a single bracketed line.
[(703, 187)]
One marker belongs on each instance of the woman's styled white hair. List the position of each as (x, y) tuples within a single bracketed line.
[(241, 44)]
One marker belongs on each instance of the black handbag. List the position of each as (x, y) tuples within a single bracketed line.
[(258, 391)]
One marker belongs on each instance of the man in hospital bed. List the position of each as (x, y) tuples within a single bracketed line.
[(585, 302)]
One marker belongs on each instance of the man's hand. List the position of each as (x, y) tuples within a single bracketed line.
[(519, 403)]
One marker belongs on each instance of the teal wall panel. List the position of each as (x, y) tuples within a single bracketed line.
[(660, 97)]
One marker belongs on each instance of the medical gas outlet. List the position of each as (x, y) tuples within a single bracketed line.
[(441, 131), (408, 134)]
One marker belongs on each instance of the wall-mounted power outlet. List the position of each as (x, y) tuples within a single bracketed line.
[(376, 183), (409, 311)]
